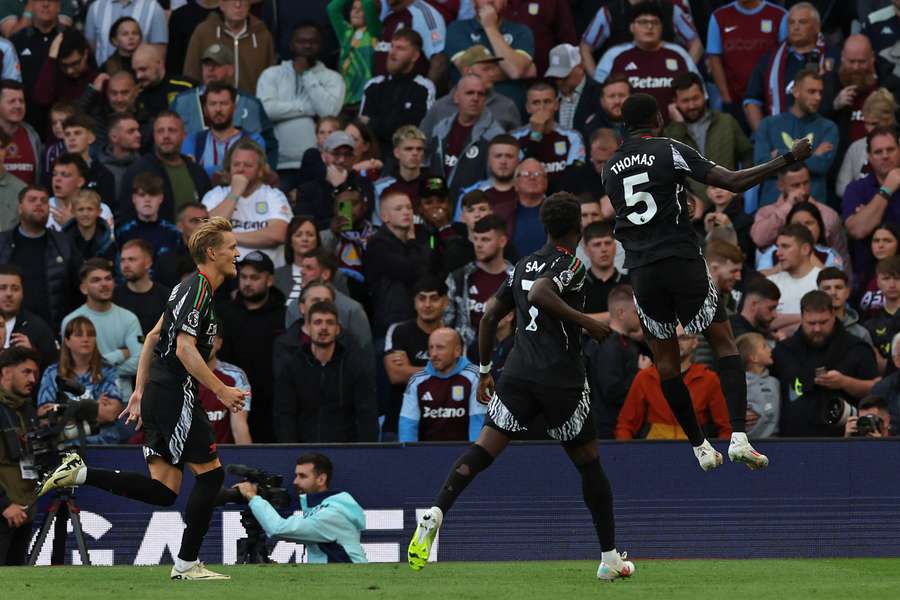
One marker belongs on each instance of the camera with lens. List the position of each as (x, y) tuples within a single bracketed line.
[(70, 421), (834, 411), (868, 424), (255, 548)]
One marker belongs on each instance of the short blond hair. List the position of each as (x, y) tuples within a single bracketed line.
[(86, 196), (747, 345), (206, 236)]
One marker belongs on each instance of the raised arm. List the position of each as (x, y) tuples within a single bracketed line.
[(740, 181)]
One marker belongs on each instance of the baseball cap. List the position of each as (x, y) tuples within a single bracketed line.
[(563, 58), (433, 186), (258, 260), (338, 139), (474, 55), (219, 54)]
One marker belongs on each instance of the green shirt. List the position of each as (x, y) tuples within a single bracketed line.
[(13, 9), (357, 47), (182, 185)]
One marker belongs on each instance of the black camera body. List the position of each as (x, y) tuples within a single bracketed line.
[(255, 548), (45, 442), (868, 424)]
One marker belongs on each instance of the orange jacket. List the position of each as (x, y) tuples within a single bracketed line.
[(645, 403)]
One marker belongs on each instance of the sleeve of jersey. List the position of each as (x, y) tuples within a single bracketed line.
[(684, 26), (685, 158), (408, 424), (598, 31), (567, 273), (191, 306), (713, 37), (576, 149), (431, 22)]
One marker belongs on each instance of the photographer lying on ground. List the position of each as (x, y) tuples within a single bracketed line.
[(331, 521)]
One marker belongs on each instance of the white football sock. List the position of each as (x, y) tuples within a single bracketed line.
[(184, 565), (611, 558), (739, 437)]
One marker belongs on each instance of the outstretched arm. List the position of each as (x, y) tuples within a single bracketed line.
[(740, 181)]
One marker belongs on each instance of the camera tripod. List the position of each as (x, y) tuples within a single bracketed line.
[(253, 549), (61, 509)]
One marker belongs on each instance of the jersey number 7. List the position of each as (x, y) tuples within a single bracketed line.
[(632, 198)]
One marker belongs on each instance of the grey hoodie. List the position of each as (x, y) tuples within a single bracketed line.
[(851, 324), (763, 398)]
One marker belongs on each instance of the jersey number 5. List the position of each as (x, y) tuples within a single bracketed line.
[(632, 198)]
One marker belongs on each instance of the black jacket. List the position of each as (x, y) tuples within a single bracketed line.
[(611, 366), (795, 363), (331, 403), (158, 98), (316, 198), (392, 267), (152, 163), (63, 263), (394, 101), (588, 104), (247, 337), (94, 103), (39, 334)]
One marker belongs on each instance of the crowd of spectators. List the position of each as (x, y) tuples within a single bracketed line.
[(383, 164)]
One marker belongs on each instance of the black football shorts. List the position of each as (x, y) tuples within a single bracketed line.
[(175, 426), (675, 290), (567, 410)]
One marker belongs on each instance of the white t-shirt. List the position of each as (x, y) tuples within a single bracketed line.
[(105, 214), (254, 213), (792, 290)]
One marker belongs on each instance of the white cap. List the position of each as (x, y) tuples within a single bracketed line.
[(563, 58)]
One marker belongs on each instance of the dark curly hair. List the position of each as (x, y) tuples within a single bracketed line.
[(561, 214)]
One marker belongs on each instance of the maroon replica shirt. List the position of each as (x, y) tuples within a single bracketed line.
[(20, 159), (456, 141), (557, 150), (442, 405), (551, 23), (217, 413), (651, 72), (482, 286)]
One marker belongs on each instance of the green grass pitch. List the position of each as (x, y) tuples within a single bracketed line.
[(844, 579)]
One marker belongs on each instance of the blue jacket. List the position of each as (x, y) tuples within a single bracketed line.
[(778, 132), (329, 526), (249, 115), (410, 413)]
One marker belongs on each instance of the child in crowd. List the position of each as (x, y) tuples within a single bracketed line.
[(883, 326), (89, 231), (348, 240), (55, 146), (475, 206), (163, 236), (125, 35), (763, 391)]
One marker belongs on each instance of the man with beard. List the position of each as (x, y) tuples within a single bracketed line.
[(119, 334), (499, 187), (295, 93), (209, 147), (847, 89), (613, 93), (217, 64), (820, 362), (140, 294), (776, 134), (425, 20), (251, 322), (714, 134), (47, 259), (184, 181), (157, 89), (400, 98), (759, 308)]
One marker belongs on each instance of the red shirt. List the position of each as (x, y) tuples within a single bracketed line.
[(746, 38), (482, 286), (456, 140), (20, 158), (504, 205), (216, 412), (652, 72), (551, 23)]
